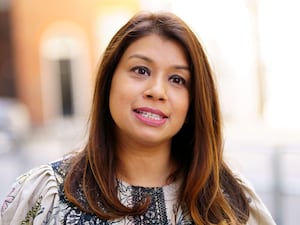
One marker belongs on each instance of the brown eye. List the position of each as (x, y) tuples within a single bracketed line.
[(141, 70), (177, 80)]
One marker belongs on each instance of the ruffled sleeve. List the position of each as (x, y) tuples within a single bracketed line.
[(33, 199)]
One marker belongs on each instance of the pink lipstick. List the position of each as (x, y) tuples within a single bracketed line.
[(150, 116)]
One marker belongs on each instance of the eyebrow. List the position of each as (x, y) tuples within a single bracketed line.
[(140, 57), (145, 58)]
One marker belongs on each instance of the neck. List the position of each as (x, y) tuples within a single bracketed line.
[(145, 167)]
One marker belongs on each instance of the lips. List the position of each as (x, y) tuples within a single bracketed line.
[(150, 116)]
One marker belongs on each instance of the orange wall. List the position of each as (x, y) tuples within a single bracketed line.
[(30, 19)]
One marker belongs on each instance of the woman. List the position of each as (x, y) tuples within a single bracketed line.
[(154, 152)]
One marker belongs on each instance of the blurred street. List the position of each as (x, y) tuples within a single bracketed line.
[(41, 147), (274, 172)]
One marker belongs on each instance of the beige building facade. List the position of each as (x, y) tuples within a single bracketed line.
[(57, 45)]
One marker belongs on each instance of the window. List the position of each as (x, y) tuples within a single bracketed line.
[(65, 78)]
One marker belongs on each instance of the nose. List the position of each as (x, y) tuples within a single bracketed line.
[(156, 89)]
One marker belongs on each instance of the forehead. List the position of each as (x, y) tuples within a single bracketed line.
[(158, 47)]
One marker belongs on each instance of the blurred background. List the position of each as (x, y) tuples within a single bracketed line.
[(49, 51)]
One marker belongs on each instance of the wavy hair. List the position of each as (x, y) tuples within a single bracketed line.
[(210, 191)]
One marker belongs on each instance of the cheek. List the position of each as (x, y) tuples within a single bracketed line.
[(122, 88), (120, 98), (185, 108), (182, 105), (113, 98), (116, 91)]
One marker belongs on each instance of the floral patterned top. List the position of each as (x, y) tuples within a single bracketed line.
[(37, 198)]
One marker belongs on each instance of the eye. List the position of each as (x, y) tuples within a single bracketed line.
[(142, 70), (177, 80)]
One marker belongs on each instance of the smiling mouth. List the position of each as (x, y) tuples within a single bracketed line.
[(149, 115)]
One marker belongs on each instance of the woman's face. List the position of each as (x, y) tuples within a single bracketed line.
[(149, 96)]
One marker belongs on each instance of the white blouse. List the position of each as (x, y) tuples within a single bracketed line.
[(37, 198)]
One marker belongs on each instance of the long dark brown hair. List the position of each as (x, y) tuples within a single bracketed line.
[(209, 190)]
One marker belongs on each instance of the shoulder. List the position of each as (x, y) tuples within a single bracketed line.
[(35, 194), (259, 214)]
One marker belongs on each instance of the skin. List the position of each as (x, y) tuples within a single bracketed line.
[(149, 101)]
